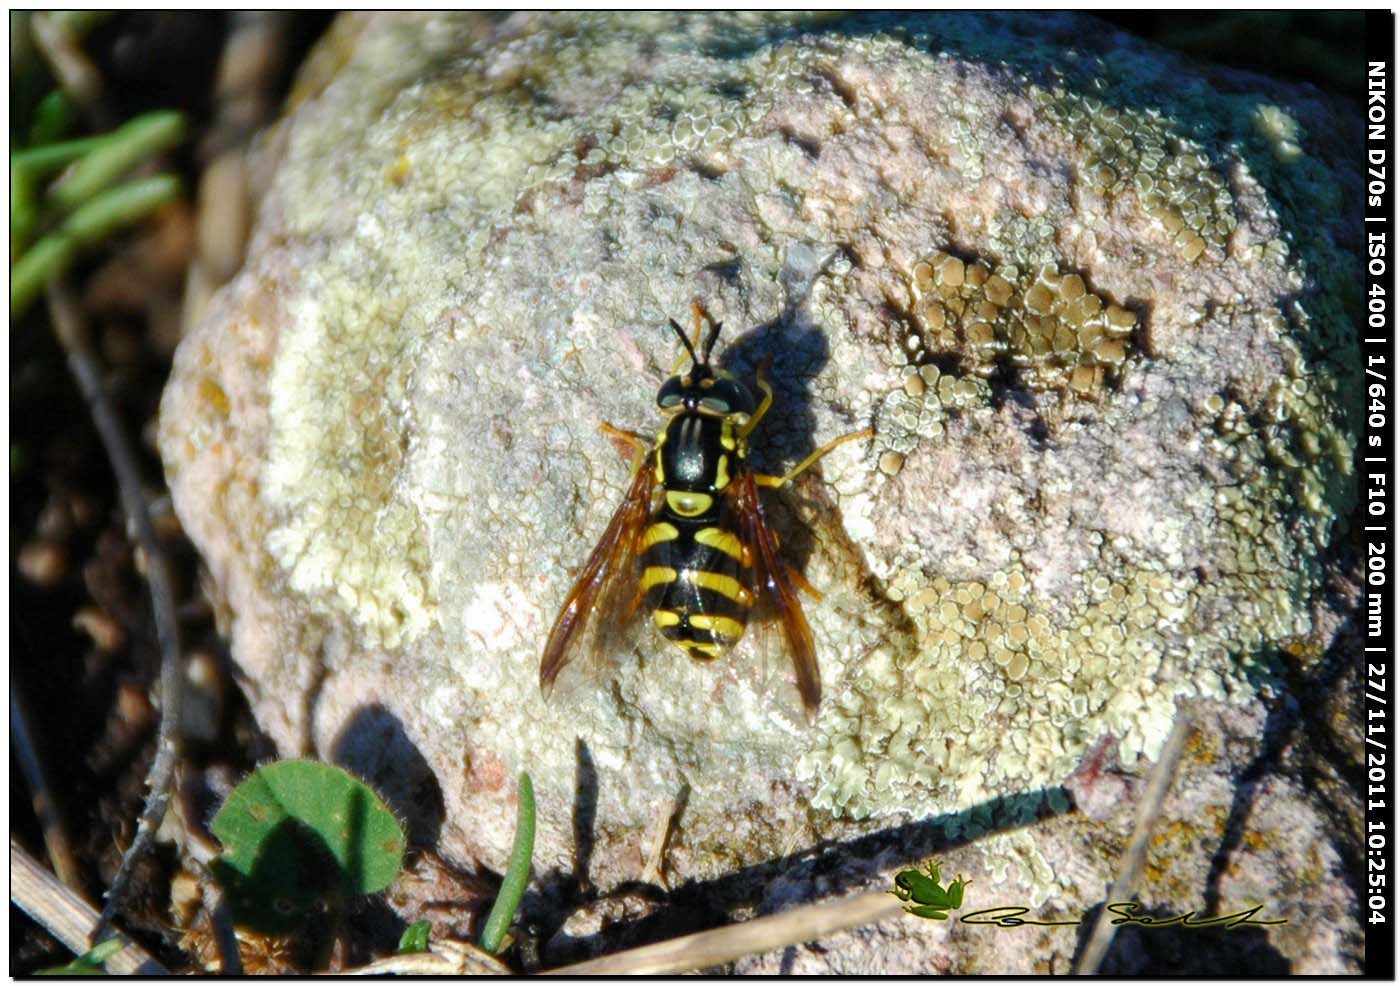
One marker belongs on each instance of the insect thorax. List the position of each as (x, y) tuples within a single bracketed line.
[(697, 456), (693, 565)]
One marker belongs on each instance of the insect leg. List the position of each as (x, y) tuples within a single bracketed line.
[(765, 404), (801, 582), (636, 441), (776, 481)]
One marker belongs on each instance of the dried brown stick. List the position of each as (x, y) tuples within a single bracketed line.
[(245, 87), (72, 334), (67, 916), (69, 64), (244, 98), (720, 945), (45, 807), (221, 921), (1130, 867), (654, 858)]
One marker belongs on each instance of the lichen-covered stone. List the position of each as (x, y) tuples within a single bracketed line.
[(1045, 327), (1096, 311)]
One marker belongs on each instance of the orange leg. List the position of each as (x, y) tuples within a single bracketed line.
[(776, 481), (640, 444), (763, 405), (801, 582), (695, 343)]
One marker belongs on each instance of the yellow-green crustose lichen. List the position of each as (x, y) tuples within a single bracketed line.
[(1174, 180), (1002, 688), (351, 539), (1280, 129), (1048, 326)]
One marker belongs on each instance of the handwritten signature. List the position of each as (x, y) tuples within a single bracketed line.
[(1011, 917)]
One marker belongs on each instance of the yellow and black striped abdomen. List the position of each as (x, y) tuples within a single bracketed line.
[(693, 575)]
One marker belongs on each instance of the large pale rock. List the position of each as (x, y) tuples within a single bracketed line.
[(1094, 305)]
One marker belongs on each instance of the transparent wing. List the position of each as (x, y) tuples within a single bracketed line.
[(774, 587), (604, 600)]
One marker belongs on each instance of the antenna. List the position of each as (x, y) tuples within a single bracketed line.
[(710, 342), (686, 342)]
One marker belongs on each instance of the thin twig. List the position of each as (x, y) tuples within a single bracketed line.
[(72, 334), (245, 86), (244, 97), (721, 945), (221, 920), (1130, 866), (55, 837), (654, 868), (67, 916), (61, 49)]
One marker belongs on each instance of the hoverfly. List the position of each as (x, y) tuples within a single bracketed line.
[(690, 543)]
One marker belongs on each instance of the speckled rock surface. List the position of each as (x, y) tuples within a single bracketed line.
[(1092, 302)]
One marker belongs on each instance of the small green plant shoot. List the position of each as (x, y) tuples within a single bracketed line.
[(88, 201), (299, 837), (90, 962), (923, 895), (493, 935), (415, 938)]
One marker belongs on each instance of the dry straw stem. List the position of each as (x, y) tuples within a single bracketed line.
[(1130, 867), (59, 40), (711, 948), (447, 957), (67, 916)]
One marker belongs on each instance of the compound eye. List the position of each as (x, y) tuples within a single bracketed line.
[(717, 404), (670, 394)]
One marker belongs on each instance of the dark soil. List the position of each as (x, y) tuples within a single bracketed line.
[(84, 662)]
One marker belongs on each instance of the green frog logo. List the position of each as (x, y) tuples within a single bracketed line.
[(924, 896)]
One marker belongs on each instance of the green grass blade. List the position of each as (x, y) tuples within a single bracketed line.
[(46, 259), (109, 212), (116, 154), (40, 162), (89, 963), (120, 207), (415, 938), (55, 117), (517, 871)]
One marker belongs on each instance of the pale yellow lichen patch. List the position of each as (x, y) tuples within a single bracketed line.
[(1282, 132), (1048, 326), (342, 533), (1015, 856), (1058, 678), (1138, 152)]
